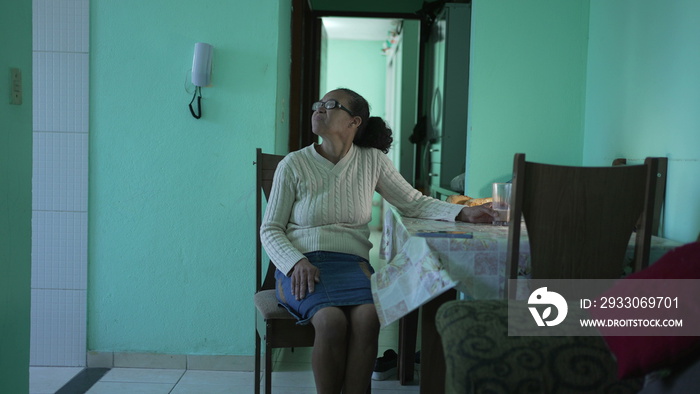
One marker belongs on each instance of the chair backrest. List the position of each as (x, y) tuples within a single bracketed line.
[(580, 219), (265, 165), (660, 198)]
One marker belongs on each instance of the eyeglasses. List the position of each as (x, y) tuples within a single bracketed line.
[(330, 104)]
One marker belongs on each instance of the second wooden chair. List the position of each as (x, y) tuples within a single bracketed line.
[(580, 219)]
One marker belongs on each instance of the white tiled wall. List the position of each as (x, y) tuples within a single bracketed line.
[(60, 182), (58, 328), (63, 86), (60, 171), (59, 258)]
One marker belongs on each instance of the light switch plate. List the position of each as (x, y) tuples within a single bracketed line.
[(15, 86)]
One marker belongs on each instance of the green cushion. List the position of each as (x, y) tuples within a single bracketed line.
[(480, 357)]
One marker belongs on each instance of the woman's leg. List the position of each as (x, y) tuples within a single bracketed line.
[(328, 359), (362, 348)]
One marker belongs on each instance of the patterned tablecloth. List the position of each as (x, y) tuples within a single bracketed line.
[(421, 268)]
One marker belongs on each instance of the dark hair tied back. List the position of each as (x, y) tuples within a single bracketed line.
[(373, 131), (375, 134)]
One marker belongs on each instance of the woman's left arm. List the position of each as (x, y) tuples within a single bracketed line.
[(409, 201), (412, 203)]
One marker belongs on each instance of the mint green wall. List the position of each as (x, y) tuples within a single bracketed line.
[(323, 61), (171, 244), (360, 66), (540, 85), (284, 63), (171, 197), (643, 96), (15, 197), (528, 64)]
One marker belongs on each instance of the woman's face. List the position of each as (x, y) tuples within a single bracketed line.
[(325, 122)]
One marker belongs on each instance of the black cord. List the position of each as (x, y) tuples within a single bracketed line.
[(197, 89)]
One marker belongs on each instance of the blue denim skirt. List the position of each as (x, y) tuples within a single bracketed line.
[(344, 281)]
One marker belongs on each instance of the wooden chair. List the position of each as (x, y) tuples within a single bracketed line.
[(579, 222), (660, 197), (580, 219), (273, 323)]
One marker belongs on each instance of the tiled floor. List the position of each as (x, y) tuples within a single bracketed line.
[(292, 372), (44, 380), (136, 380)]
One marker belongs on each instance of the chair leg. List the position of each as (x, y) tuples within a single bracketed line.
[(256, 376), (432, 355), (268, 369), (408, 333)]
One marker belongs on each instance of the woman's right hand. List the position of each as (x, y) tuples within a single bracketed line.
[(304, 277), (477, 214)]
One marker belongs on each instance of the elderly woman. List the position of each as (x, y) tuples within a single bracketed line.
[(316, 232)]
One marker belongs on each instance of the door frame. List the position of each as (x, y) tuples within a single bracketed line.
[(305, 72)]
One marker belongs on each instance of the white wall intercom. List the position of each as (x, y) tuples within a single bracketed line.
[(201, 74), (201, 64)]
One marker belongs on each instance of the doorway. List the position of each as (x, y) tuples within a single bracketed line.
[(377, 56), (408, 71)]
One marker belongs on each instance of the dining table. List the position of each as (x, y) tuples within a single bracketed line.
[(430, 262)]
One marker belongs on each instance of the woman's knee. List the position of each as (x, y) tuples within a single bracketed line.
[(364, 320), (330, 321)]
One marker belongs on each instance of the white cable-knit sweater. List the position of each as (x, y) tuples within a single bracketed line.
[(316, 205)]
